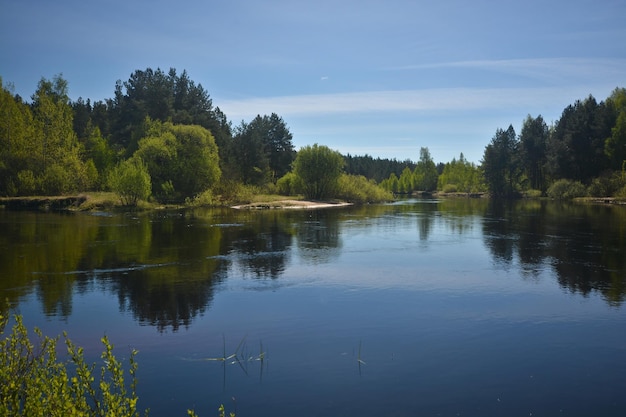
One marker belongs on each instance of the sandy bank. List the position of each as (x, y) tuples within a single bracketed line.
[(290, 204)]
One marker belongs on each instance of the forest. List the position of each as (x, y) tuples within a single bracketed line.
[(160, 137)]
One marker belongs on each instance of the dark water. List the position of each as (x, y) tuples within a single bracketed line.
[(419, 308)]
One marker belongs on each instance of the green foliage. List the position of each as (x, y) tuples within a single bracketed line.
[(615, 144), (378, 169), (360, 190), (318, 169), (532, 145), (182, 160), (233, 192), (531, 193), (501, 164), (131, 181), (27, 183), (576, 147), (565, 189), (204, 199), (425, 175), (37, 383), (40, 139), (263, 146), (288, 184), (463, 175), (606, 185), (98, 150)]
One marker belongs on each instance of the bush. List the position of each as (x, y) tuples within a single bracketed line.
[(27, 182), (55, 180), (606, 186), (358, 189), (233, 192), (131, 181), (449, 188), (36, 383), (566, 189), (204, 199), (531, 193), (288, 184)]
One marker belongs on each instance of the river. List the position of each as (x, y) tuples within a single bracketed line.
[(452, 307)]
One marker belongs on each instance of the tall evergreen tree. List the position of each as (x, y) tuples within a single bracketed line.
[(576, 149), (425, 172), (501, 164), (533, 139)]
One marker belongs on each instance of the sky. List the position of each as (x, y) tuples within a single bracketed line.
[(382, 78)]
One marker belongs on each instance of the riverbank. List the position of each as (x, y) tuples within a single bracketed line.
[(43, 203), (110, 202)]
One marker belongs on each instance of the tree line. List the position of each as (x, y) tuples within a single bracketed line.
[(161, 135), (583, 153)]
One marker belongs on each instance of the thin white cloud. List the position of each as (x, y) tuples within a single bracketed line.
[(428, 100), (537, 68)]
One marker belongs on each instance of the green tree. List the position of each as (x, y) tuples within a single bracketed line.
[(532, 142), (615, 144), (318, 169), (460, 175), (262, 149), (576, 148), (405, 182), (164, 97), (131, 181), (98, 151), (248, 155), (58, 161), (425, 173), (18, 147), (182, 160), (501, 164)]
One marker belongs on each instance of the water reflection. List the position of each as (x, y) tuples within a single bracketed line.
[(164, 267), (584, 245)]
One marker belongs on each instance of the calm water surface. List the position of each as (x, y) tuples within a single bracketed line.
[(418, 308)]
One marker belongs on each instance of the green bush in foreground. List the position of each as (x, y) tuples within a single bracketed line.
[(34, 382)]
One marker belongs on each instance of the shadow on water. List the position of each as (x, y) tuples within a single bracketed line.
[(164, 267), (584, 245)]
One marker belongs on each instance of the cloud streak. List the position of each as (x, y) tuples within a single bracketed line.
[(541, 68), (421, 101)]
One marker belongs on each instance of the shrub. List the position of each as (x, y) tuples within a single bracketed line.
[(131, 181), (606, 185), (36, 383), (204, 199), (532, 193), (27, 182), (449, 188), (287, 184), (233, 192), (566, 189), (55, 180), (358, 189)]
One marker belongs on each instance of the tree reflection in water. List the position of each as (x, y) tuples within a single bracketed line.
[(164, 267)]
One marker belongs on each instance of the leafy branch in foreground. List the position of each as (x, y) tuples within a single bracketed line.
[(34, 382)]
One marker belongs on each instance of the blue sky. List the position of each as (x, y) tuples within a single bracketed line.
[(382, 78)]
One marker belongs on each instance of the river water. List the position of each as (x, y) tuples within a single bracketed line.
[(457, 307)]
